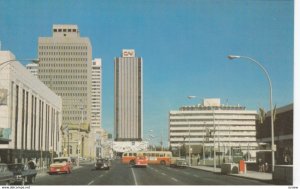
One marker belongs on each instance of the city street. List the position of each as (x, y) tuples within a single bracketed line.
[(121, 174)]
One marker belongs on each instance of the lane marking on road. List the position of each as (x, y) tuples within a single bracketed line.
[(91, 182), (186, 173), (101, 176), (174, 179), (135, 182), (163, 173), (196, 176)]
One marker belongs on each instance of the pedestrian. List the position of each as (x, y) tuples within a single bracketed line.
[(266, 167)]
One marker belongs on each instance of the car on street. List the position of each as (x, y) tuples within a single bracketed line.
[(179, 162), (103, 163), (6, 176), (141, 161), (60, 165), (23, 173)]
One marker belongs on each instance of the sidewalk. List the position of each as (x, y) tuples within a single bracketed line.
[(249, 174)]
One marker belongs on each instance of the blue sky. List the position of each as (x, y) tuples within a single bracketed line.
[(183, 44)]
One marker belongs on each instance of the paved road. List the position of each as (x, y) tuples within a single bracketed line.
[(121, 174)]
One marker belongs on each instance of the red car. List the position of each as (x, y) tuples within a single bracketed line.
[(141, 161), (60, 165)]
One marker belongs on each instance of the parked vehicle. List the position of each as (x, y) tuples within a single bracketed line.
[(141, 161), (102, 163), (178, 162), (23, 173), (60, 165), (6, 176)]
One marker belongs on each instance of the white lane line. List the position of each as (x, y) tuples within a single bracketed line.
[(196, 176), (163, 173), (91, 182), (101, 176), (135, 182), (174, 179)]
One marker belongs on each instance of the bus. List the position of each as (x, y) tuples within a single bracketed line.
[(154, 157)]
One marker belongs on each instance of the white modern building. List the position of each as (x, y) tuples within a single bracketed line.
[(210, 124), (66, 68), (33, 68), (30, 115), (96, 94), (128, 117)]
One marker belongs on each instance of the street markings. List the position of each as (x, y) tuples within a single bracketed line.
[(101, 176), (135, 182), (164, 174), (174, 179), (196, 176), (91, 182)]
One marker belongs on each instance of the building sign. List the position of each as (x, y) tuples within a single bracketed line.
[(128, 53), (5, 133), (3, 96)]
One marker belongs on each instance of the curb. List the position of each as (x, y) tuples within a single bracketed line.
[(236, 175)]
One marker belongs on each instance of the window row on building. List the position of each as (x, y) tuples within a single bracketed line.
[(62, 53), (62, 59), (66, 46)]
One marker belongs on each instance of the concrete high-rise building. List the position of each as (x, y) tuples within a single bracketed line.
[(65, 67), (96, 94), (230, 128), (128, 118)]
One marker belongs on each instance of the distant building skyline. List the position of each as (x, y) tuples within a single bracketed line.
[(128, 94)]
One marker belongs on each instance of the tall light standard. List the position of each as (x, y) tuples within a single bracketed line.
[(2, 64), (78, 133), (190, 97), (270, 101)]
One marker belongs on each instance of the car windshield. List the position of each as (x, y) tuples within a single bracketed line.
[(60, 160)]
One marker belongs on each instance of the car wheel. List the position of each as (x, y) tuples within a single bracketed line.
[(162, 162), (7, 182)]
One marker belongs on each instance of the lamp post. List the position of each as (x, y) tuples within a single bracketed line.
[(78, 133), (190, 97), (36, 61), (270, 101)]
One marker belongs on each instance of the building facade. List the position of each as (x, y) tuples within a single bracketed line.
[(128, 117), (210, 125), (96, 94), (283, 135), (33, 68), (65, 67), (30, 115)]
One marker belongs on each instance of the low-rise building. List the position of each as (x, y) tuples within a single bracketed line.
[(211, 125), (30, 115)]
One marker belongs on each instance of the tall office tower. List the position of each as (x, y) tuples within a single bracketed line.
[(96, 94), (65, 67), (128, 116)]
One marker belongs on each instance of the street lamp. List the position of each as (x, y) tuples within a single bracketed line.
[(190, 97), (270, 101), (78, 133)]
